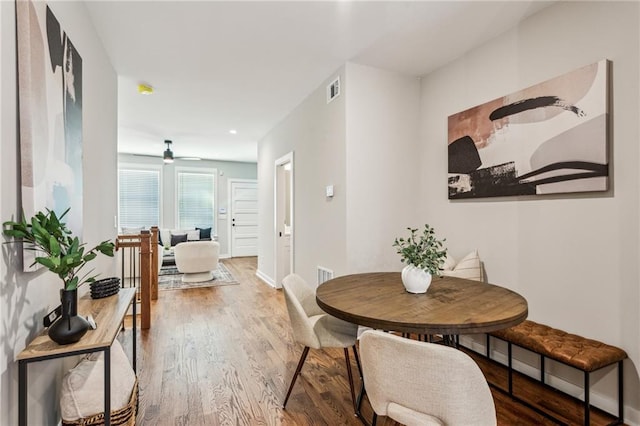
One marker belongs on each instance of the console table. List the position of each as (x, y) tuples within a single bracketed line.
[(108, 314)]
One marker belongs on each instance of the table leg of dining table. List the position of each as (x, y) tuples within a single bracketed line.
[(359, 415)]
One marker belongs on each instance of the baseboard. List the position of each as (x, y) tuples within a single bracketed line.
[(224, 256), (597, 399), (267, 279)]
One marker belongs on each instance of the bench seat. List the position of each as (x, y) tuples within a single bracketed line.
[(570, 349), (584, 354)]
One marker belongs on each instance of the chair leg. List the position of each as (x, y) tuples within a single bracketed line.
[(303, 357), (355, 353), (353, 392)]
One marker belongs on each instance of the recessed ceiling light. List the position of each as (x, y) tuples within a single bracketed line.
[(233, 131), (145, 89)]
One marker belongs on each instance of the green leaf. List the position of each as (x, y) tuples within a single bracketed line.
[(90, 256), (46, 262), (54, 246), (71, 284)]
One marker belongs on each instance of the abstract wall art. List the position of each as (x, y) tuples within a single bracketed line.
[(546, 139), (50, 115)]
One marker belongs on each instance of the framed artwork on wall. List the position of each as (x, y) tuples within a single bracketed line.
[(546, 139), (50, 116)]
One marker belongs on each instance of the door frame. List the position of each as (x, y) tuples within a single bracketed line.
[(231, 181), (287, 158)]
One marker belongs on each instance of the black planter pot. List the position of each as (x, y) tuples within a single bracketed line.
[(70, 327)]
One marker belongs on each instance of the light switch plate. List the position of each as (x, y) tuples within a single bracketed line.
[(329, 190)]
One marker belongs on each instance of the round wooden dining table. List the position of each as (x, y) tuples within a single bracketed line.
[(451, 306)]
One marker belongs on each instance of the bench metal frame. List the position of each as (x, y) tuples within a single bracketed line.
[(587, 406)]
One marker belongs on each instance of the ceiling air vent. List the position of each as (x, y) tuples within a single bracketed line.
[(333, 89)]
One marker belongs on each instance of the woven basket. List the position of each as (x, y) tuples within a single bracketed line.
[(105, 287), (125, 416)]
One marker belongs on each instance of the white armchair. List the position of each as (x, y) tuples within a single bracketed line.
[(314, 328), (197, 259)]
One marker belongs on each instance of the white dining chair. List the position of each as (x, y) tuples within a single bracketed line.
[(314, 328), (420, 383)]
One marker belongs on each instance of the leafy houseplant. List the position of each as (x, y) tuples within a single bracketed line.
[(63, 254), (424, 256)]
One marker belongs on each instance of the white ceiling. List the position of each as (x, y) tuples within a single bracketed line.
[(217, 66)]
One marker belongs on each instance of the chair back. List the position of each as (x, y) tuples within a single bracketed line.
[(424, 383), (301, 305)]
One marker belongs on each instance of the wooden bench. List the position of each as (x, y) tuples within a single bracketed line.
[(575, 351)]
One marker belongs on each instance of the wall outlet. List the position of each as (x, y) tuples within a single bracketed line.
[(52, 316)]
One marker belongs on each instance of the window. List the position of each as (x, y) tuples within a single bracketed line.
[(195, 195), (139, 197)]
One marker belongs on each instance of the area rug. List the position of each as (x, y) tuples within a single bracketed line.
[(170, 279)]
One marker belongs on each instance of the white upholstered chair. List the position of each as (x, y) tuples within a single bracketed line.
[(197, 259), (314, 328), (420, 383)]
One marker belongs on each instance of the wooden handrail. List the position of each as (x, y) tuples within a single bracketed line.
[(146, 242)]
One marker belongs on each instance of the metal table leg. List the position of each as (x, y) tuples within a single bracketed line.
[(361, 395), (22, 393), (107, 386), (135, 341)]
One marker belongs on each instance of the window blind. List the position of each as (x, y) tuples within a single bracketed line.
[(139, 198), (195, 200)]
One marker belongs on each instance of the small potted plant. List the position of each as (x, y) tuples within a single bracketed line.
[(424, 257), (63, 254)]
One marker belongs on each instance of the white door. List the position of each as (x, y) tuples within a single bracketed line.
[(244, 218), (284, 202)]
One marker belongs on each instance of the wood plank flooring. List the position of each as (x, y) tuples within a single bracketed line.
[(225, 355)]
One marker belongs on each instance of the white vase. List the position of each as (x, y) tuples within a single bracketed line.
[(415, 280)]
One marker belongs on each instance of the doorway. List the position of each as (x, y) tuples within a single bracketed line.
[(243, 202), (284, 223)]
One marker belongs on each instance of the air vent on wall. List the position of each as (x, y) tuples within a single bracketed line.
[(333, 89), (324, 274)]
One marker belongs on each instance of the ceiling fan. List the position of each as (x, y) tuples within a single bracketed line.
[(167, 156)]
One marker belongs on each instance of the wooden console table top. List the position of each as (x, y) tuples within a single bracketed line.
[(108, 314)]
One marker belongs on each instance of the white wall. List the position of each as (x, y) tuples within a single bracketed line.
[(362, 143), (26, 297), (574, 257), (315, 132), (382, 165), (226, 170)]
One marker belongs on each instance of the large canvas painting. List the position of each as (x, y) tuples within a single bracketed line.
[(549, 138), (50, 115)]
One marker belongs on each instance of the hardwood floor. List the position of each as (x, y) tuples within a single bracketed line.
[(225, 355)]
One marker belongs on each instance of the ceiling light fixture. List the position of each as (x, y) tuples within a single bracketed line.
[(145, 89), (168, 154), (233, 131)]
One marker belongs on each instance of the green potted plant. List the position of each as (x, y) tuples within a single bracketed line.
[(61, 253), (424, 256)]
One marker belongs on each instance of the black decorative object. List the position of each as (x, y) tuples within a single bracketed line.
[(105, 287), (70, 327)]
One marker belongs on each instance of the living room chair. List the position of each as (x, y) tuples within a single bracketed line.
[(314, 328), (196, 260), (420, 383)]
